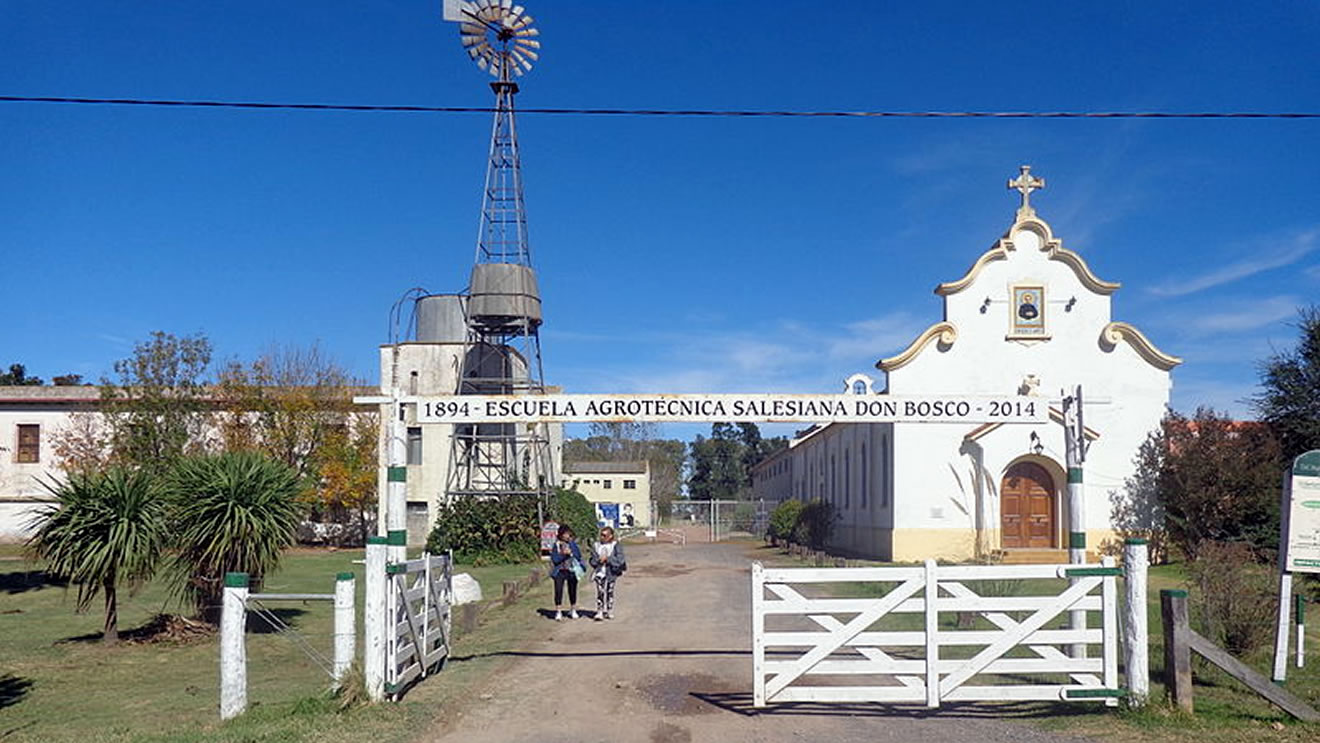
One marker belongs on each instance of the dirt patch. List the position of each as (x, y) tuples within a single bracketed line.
[(667, 732), (674, 694), (661, 571)]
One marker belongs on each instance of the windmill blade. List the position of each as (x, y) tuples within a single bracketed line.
[(520, 59), (528, 53), (527, 32), (526, 45)]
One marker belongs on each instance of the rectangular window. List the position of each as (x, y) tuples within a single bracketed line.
[(629, 484), (29, 443), (607, 484), (415, 445)]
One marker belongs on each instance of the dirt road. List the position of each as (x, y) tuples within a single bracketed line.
[(675, 666)]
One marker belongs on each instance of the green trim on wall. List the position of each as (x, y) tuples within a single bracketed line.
[(375, 540), (397, 474), (1074, 475), (344, 576), (396, 537), (236, 580), (1077, 540)]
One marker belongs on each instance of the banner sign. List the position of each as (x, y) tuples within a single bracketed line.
[(1301, 508), (731, 408)]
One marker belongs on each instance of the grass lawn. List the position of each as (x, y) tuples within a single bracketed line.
[(59, 683), (1226, 710)]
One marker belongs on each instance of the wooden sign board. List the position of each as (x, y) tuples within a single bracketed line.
[(731, 408)]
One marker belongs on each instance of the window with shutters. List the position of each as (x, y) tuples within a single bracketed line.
[(29, 443)]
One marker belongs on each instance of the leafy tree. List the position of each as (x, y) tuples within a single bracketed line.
[(1137, 510), (17, 377), (104, 530), (82, 443), (232, 512), (1290, 402), (67, 380), (296, 406), (1219, 481), (573, 508), (722, 465), (156, 412)]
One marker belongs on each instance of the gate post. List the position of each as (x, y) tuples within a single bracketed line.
[(1177, 648), (374, 620), (1136, 636), (345, 629), (233, 647)]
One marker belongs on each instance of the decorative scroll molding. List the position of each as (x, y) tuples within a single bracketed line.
[(1115, 332), (1051, 245), (944, 332)]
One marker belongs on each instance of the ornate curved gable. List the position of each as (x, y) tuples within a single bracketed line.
[(1049, 244)]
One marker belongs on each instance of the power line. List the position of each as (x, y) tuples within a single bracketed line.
[(672, 112)]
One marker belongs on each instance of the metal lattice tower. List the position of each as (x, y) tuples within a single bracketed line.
[(503, 309)]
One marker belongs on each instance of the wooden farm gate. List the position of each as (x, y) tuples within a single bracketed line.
[(418, 619), (998, 643)]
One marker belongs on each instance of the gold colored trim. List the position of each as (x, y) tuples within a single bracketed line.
[(1121, 331), (944, 331), (1049, 244)]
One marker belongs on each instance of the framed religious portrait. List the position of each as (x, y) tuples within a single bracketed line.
[(1028, 308)]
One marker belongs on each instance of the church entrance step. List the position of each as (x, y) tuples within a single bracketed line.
[(1034, 557)]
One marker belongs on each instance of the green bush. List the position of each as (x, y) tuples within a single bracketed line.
[(815, 524), (487, 531), (573, 508), (783, 519), (1234, 600)]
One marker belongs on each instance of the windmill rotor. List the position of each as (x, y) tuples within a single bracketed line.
[(499, 37)]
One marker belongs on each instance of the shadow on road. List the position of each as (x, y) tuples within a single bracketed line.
[(741, 703), (599, 654)]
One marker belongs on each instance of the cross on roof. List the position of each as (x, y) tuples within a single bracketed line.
[(1025, 183)]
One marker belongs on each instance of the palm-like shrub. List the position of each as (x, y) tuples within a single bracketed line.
[(106, 529), (233, 512)]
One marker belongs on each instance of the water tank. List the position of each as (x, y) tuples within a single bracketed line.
[(504, 295), (440, 319)]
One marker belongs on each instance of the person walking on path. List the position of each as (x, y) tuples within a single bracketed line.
[(565, 569), (609, 562)]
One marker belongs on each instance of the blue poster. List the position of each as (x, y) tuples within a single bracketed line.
[(608, 514)]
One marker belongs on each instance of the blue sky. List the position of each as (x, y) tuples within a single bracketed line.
[(674, 254)]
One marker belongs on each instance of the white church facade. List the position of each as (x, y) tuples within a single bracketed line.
[(1029, 317)]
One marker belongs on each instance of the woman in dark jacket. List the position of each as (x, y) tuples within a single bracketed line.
[(564, 557)]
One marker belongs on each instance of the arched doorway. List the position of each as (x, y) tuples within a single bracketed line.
[(1028, 515)]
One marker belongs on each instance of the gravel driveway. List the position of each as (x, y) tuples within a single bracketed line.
[(675, 666)]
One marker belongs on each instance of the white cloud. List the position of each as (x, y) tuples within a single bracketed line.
[(1291, 251), (1242, 316), (791, 357)]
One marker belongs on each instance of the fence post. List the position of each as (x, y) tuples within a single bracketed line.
[(758, 635), (1177, 647), (345, 626), (1300, 615), (233, 648), (374, 620), (1136, 625)]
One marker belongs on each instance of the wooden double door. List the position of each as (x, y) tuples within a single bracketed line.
[(1027, 512)]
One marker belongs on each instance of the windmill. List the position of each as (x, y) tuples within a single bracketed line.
[(502, 355)]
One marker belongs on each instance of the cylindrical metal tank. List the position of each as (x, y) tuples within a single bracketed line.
[(504, 294), (440, 319)]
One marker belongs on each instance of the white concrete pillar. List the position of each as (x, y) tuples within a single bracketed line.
[(374, 619), (1136, 625), (345, 625), (233, 647)]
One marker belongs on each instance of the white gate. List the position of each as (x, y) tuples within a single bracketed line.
[(417, 619), (820, 645)]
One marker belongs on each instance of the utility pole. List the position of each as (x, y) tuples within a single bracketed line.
[(1074, 438)]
